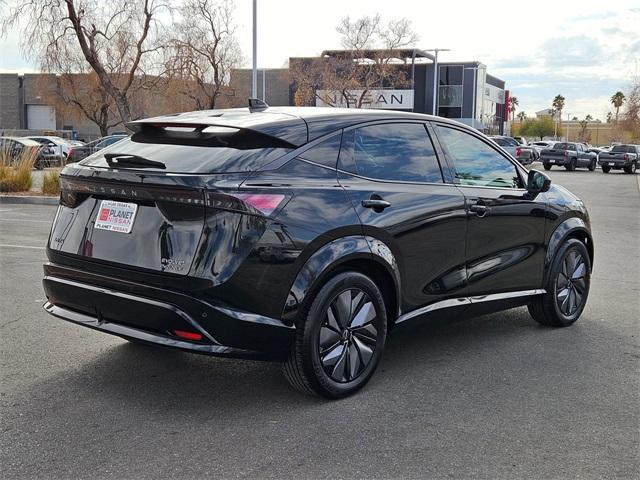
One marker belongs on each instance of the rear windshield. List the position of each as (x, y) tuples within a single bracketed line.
[(186, 158), (564, 146), (623, 149)]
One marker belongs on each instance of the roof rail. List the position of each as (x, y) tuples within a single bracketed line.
[(257, 105)]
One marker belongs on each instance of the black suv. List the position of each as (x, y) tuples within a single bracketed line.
[(305, 235)]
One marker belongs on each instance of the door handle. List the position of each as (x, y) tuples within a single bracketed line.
[(377, 204), (480, 210)]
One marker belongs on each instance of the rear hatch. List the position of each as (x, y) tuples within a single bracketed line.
[(148, 202)]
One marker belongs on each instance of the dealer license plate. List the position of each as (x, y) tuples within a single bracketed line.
[(611, 164), (116, 216)]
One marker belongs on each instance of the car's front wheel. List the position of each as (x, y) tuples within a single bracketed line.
[(606, 169), (592, 166), (339, 339), (567, 287)]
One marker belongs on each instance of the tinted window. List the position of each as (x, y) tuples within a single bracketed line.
[(191, 158), (475, 162), (324, 153), (395, 152), (623, 149), (501, 141), (565, 146)]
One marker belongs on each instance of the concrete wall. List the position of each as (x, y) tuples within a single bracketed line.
[(9, 101), (276, 86)]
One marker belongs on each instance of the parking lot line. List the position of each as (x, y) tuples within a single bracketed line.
[(8, 245)]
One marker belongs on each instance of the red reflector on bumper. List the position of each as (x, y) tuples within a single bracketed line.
[(187, 335)]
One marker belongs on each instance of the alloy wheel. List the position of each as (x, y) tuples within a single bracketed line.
[(571, 285), (348, 335)]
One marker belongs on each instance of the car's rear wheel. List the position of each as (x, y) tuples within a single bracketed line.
[(631, 168), (547, 166), (606, 169), (567, 287), (339, 339)]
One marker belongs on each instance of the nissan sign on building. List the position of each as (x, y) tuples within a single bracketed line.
[(390, 99)]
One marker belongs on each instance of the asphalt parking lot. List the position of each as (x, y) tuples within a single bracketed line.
[(493, 397)]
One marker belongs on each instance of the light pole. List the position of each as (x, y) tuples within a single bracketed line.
[(254, 71), (435, 75)]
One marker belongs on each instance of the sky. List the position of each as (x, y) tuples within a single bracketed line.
[(585, 50)]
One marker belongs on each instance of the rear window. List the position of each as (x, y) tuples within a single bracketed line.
[(187, 155), (565, 146), (623, 149)]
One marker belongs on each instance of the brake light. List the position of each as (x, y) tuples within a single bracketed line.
[(266, 203), (518, 152), (566, 154), (69, 153), (188, 335), (626, 156)]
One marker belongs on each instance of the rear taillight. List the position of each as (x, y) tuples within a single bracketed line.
[(265, 203), (70, 153), (566, 154), (626, 157), (518, 152)]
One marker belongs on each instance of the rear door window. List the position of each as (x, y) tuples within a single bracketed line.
[(395, 152)]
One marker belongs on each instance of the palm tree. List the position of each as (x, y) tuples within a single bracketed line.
[(609, 117), (513, 103), (558, 105), (617, 100), (521, 116)]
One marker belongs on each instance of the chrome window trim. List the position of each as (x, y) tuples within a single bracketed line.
[(456, 302)]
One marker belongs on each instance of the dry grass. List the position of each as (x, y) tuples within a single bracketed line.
[(51, 183), (15, 172)]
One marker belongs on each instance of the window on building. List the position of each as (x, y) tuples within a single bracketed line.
[(476, 162), (395, 152)]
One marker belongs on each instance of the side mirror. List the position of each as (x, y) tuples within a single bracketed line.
[(537, 182)]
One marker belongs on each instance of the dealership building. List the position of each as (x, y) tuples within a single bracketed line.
[(465, 92)]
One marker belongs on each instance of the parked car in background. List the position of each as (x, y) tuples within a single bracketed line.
[(305, 235), (523, 154), (570, 155), (78, 153), (540, 145), (60, 146), (621, 157), (14, 147)]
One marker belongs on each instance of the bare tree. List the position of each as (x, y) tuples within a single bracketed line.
[(371, 59), (117, 40), (204, 50), (80, 96)]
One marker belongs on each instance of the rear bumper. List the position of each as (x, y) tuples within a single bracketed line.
[(555, 160), (614, 163), (150, 315)]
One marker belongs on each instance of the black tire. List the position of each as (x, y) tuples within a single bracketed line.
[(631, 168), (356, 353), (592, 166), (567, 291), (571, 166), (547, 166), (606, 169)]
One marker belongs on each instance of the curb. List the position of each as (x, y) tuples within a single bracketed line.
[(29, 200)]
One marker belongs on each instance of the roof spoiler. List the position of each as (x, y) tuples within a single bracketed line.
[(257, 105)]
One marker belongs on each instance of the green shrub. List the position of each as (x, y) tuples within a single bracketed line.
[(51, 183)]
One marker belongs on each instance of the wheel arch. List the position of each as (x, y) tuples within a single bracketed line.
[(363, 254), (573, 227)]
